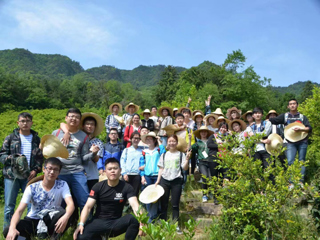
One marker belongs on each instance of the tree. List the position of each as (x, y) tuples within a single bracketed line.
[(306, 92), (167, 86)]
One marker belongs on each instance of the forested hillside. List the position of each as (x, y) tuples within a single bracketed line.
[(40, 81)]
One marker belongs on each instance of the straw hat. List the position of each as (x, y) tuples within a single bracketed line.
[(145, 111), (119, 119), (197, 111), (52, 147), (242, 124), (271, 111), (171, 129), (218, 112), (169, 110), (276, 143), (99, 122), (182, 145), (197, 114), (292, 135), (132, 104), (210, 115), (175, 109), (151, 194), (182, 108), (216, 125), (202, 128), (150, 134), (117, 104), (229, 111), (244, 116), (36, 179), (102, 177)]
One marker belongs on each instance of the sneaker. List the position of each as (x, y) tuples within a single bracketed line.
[(179, 231), (204, 198)]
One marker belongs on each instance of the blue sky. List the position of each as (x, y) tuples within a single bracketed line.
[(280, 38)]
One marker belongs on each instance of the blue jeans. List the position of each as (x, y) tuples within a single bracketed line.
[(164, 141), (152, 208), (292, 149), (78, 185), (11, 190)]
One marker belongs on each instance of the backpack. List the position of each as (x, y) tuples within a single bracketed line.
[(286, 115), (262, 127)]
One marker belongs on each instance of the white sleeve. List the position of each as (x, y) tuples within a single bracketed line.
[(66, 191), (248, 130), (268, 128), (161, 162), (26, 198), (183, 160)]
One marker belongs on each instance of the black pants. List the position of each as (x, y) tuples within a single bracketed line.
[(135, 182), (175, 186), (111, 228), (265, 161), (28, 226), (91, 183), (208, 169)]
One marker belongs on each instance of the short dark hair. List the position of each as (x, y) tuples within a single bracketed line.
[(143, 127), (185, 110), (134, 133), (293, 99), (223, 124), (90, 119), (25, 115), (179, 115), (154, 107), (53, 161), (111, 160), (113, 129), (136, 114), (257, 109), (74, 110)]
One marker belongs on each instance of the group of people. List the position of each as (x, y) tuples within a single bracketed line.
[(157, 148)]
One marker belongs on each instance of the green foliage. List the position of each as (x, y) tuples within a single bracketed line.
[(254, 207)]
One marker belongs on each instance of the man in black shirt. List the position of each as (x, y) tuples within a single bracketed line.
[(110, 196)]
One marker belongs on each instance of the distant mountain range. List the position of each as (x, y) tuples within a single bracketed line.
[(56, 66)]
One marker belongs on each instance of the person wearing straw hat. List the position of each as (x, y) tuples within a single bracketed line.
[(109, 196), (155, 118), (131, 109), (247, 117), (198, 119), (134, 125), (218, 112), (79, 153), (149, 169), (201, 149), (165, 120), (279, 128), (238, 128), (22, 141), (170, 177), (45, 197), (209, 122), (300, 144), (187, 117), (147, 121), (233, 113), (112, 120), (174, 112)]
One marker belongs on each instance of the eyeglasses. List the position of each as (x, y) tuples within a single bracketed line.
[(25, 121), (74, 117), (54, 170)]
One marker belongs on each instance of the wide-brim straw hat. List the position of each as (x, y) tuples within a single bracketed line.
[(216, 125), (242, 124), (169, 110), (132, 104), (229, 111), (275, 145), (292, 135), (271, 111), (197, 111), (119, 119), (171, 129), (36, 179), (145, 111), (99, 122), (244, 116), (208, 116), (113, 104), (151, 194), (102, 177), (175, 109), (182, 108), (182, 145), (150, 134), (52, 147), (202, 128), (218, 112), (197, 114)]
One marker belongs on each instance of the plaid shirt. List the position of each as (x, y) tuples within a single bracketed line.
[(111, 122)]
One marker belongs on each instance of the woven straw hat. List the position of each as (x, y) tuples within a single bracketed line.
[(52, 147), (197, 114), (292, 135), (119, 119), (150, 134), (218, 112), (242, 124), (216, 125), (182, 108), (197, 111), (151, 194), (171, 129), (169, 110), (229, 111), (132, 104), (208, 116), (276, 143), (99, 124), (244, 116), (113, 104), (202, 128), (271, 111)]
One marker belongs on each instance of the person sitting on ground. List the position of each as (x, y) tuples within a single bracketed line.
[(109, 196), (46, 217), (135, 125), (147, 121)]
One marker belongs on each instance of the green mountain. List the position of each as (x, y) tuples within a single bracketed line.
[(295, 88)]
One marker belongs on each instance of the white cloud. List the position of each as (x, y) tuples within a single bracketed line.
[(73, 26)]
